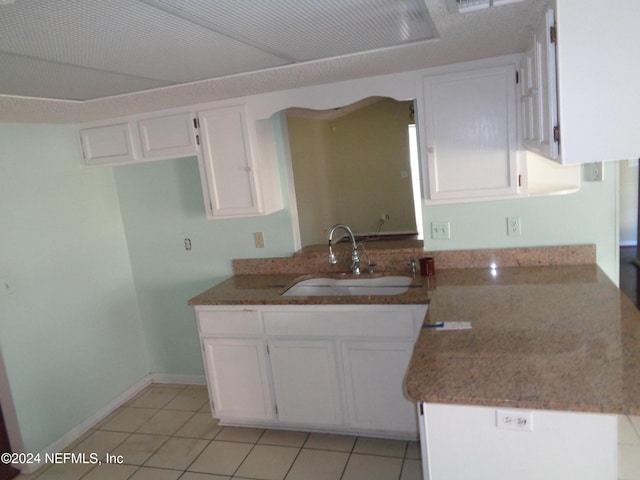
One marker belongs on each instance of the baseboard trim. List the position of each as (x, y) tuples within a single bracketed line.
[(178, 379), (77, 432)]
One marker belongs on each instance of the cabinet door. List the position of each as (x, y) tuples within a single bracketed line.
[(471, 134), (109, 144), (305, 380), (539, 92), (237, 378), (529, 97), (228, 163), (168, 136), (374, 383)]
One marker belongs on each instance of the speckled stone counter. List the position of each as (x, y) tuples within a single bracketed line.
[(560, 336), (557, 338), (267, 289)]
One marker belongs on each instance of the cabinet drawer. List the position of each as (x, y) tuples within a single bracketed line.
[(340, 324), (238, 322)]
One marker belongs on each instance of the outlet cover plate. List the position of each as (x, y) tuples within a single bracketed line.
[(440, 231)]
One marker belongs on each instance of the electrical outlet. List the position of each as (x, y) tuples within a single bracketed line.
[(520, 420), (594, 172), (440, 231), (258, 239), (513, 227)]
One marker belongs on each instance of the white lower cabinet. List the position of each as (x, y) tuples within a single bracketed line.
[(305, 381), (238, 379), (374, 383), (328, 368)]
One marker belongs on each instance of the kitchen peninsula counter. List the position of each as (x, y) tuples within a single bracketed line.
[(550, 338)]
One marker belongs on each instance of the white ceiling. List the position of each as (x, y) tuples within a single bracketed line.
[(72, 60)]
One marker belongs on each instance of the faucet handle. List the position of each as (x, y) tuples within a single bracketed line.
[(413, 265)]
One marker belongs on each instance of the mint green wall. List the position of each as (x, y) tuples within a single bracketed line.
[(70, 331), (161, 205), (586, 217)]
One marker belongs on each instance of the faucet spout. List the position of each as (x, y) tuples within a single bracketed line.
[(355, 259)]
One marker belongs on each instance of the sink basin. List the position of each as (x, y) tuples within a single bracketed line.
[(392, 285)]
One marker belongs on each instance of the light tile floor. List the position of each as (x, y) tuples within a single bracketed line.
[(167, 433)]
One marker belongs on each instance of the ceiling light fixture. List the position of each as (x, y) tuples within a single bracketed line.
[(464, 6)]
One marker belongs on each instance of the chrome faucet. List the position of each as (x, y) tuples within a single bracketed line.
[(355, 259)]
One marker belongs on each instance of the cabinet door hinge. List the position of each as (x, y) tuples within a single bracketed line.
[(519, 179), (553, 34), (421, 409), (276, 408), (196, 122), (197, 139), (268, 352), (556, 134), (517, 77)]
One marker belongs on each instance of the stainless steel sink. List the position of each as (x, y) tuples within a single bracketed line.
[(392, 285)]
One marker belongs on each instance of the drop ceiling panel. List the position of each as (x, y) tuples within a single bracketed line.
[(23, 76), (306, 30), (91, 49), (126, 37)]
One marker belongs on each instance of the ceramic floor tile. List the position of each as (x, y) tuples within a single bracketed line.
[(626, 432), (202, 476), (381, 446), (165, 422), (100, 442), (201, 425), (177, 453), (240, 434), (156, 396), (368, 467), (139, 447), (190, 399), (635, 421), (283, 438), (128, 419), (110, 472), (330, 441), (65, 471), (146, 473), (318, 465), (413, 450), (221, 458), (268, 462), (628, 462), (411, 470)]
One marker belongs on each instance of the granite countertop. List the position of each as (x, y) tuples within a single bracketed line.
[(560, 336), (267, 289), (555, 338)]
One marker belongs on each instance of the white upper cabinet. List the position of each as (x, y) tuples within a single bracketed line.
[(228, 161), (107, 144), (598, 72), (168, 136), (238, 166), (471, 134), (539, 107)]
